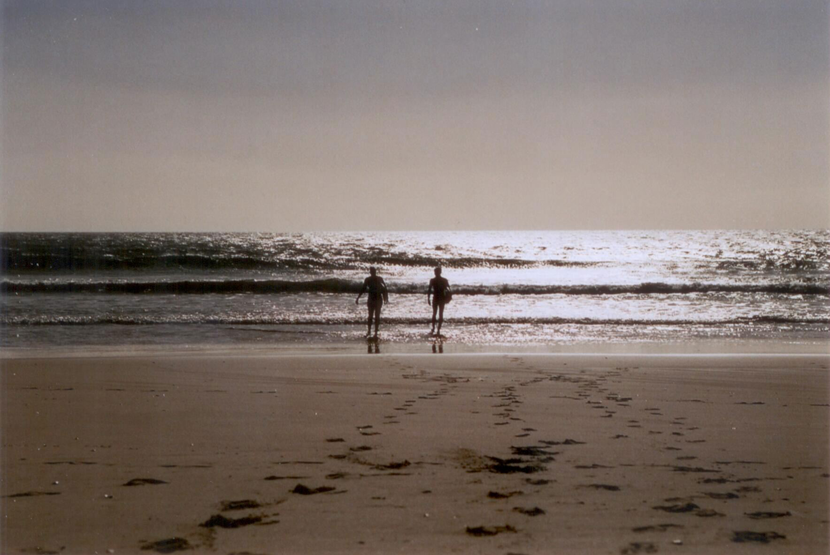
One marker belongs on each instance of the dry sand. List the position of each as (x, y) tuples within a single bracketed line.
[(416, 454)]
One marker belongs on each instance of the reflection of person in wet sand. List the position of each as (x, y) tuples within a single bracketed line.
[(378, 294), (439, 288)]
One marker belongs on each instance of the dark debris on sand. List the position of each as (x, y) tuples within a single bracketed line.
[(32, 494), (686, 508), (593, 466), (499, 495), (760, 537), (239, 505), (513, 466), (144, 482), (656, 528), (169, 545), (692, 469), (532, 451), (300, 489), (718, 495), (392, 465), (708, 513), (225, 522), (535, 511), (606, 487), (715, 481), (564, 442), (480, 531), (767, 514)]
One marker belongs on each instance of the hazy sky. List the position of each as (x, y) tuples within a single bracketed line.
[(305, 115)]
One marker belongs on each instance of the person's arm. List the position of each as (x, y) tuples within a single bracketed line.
[(361, 292), (429, 292), (384, 291)]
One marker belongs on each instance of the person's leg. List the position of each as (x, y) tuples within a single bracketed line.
[(434, 311), (371, 314), (440, 317), (377, 317)]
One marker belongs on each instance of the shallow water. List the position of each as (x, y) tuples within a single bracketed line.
[(521, 289)]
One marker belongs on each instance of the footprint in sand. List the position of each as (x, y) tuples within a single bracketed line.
[(144, 482), (225, 522), (168, 545), (639, 547), (719, 495), (534, 511), (760, 537), (591, 466), (656, 528), (32, 494), (239, 505), (300, 489), (748, 489), (606, 487), (761, 515), (480, 531)]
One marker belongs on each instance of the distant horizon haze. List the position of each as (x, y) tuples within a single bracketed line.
[(293, 116)]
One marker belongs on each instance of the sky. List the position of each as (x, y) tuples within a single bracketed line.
[(305, 115)]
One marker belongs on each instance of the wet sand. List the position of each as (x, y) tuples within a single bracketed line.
[(415, 454)]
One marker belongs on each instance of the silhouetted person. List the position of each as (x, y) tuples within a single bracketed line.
[(376, 287), (439, 288)]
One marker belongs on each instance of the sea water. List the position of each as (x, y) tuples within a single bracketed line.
[(555, 290)]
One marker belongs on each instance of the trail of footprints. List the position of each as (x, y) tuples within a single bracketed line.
[(643, 422), (527, 464)]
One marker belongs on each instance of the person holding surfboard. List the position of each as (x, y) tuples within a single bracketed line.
[(378, 295), (441, 293)]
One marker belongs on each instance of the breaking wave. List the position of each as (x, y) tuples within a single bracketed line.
[(336, 285), (330, 321), (84, 258)]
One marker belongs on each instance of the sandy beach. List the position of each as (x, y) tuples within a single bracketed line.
[(415, 454)]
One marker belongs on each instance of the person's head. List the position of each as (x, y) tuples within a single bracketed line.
[(373, 271), (438, 271)]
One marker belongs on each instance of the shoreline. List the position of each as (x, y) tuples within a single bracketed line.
[(359, 347), (472, 453)]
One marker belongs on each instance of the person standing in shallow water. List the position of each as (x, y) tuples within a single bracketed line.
[(378, 294), (439, 288)]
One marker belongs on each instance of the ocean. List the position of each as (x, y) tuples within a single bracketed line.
[(517, 290)]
